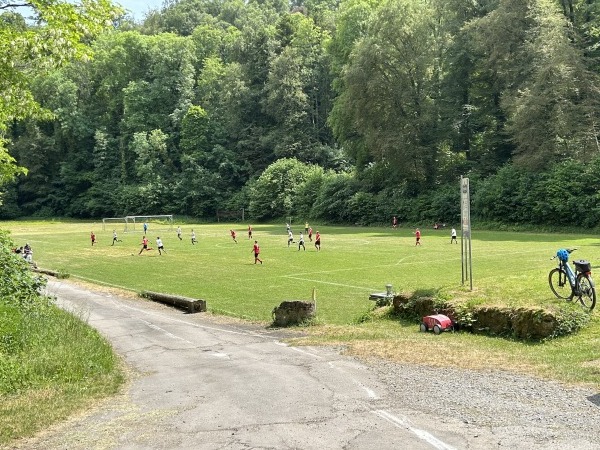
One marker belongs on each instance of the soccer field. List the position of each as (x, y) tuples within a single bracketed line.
[(508, 268)]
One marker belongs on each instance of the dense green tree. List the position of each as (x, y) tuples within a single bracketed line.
[(273, 194), (352, 21), (57, 33), (391, 86), (297, 92)]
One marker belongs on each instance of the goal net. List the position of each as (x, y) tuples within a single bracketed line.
[(160, 222), (114, 223)]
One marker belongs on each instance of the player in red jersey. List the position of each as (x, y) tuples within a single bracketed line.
[(318, 241), (418, 237), (256, 250), (233, 235), (144, 245)]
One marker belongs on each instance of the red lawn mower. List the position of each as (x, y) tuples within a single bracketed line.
[(437, 323)]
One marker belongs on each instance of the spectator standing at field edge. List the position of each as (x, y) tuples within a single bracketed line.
[(256, 250)]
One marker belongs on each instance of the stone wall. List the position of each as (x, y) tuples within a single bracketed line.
[(521, 323)]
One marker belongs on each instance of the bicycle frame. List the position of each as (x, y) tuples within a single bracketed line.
[(570, 273)]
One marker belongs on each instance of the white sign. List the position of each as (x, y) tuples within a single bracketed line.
[(465, 205)]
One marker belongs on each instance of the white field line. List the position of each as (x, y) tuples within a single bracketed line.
[(403, 261), (332, 283), (405, 423)]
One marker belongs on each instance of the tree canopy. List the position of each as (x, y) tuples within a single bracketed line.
[(37, 37), (189, 109)]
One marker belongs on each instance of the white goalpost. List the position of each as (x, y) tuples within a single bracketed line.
[(114, 223), (157, 222)]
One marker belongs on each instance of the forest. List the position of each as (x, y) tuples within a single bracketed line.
[(343, 111)]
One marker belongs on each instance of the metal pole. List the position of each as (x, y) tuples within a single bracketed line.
[(462, 256), (470, 263)]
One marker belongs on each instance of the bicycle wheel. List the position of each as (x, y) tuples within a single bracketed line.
[(587, 291), (559, 284)]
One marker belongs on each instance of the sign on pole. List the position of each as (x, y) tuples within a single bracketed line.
[(465, 220)]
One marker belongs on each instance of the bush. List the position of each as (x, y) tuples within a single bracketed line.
[(18, 285), (274, 193)]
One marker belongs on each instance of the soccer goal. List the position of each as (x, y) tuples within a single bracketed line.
[(112, 223), (159, 222)]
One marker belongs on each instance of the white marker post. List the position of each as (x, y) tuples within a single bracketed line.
[(465, 239)]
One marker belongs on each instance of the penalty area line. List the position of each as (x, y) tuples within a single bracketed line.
[(330, 282)]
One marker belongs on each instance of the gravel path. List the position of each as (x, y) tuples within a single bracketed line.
[(521, 412)]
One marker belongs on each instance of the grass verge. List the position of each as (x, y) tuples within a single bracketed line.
[(52, 364)]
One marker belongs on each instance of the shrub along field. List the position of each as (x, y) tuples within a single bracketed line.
[(509, 269)]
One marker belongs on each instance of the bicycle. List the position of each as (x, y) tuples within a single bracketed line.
[(567, 284)]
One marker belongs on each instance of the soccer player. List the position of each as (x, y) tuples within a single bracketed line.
[(249, 231), (194, 238), (256, 250), (418, 237), (93, 238), (290, 237), (394, 222), (145, 227), (233, 235), (115, 239), (318, 241), (160, 246), (306, 227), (301, 242), (310, 234), (453, 235), (144, 245), (179, 233)]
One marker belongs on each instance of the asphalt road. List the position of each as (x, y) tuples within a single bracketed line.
[(200, 382)]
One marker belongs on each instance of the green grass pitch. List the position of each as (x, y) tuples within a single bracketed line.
[(508, 267)]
